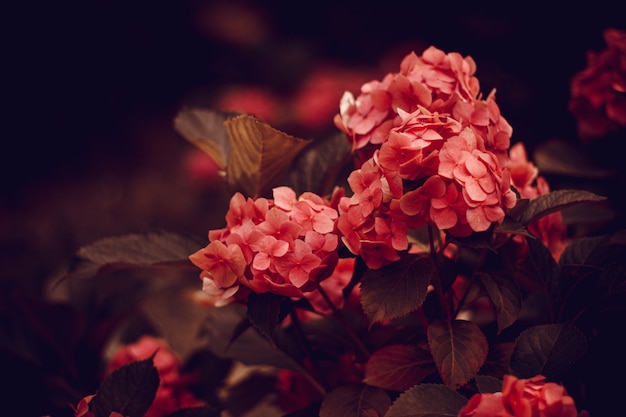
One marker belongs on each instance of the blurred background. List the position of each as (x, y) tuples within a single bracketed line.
[(91, 89)]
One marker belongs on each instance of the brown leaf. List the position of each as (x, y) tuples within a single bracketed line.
[(459, 348), (260, 155), (253, 155), (398, 367)]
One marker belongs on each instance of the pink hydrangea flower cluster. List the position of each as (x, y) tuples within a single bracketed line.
[(598, 92), (533, 397), (285, 245), (435, 153)]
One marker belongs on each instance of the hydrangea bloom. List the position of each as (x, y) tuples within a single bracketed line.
[(533, 397), (598, 92), (284, 245), (435, 152)]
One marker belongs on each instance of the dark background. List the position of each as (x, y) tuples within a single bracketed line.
[(91, 89)]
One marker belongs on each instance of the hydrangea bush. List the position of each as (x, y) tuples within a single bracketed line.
[(416, 263)]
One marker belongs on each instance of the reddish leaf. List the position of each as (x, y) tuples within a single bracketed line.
[(397, 289), (398, 367), (427, 400), (547, 350), (459, 349), (505, 295), (355, 401)]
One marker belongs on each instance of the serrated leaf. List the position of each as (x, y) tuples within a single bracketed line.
[(253, 155), (129, 390), (459, 348), (264, 312), (554, 201), (505, 296), (547, 350), (355, 401), (398, 367), (137, 249), (260, 155), (396, 289), (427, 400)]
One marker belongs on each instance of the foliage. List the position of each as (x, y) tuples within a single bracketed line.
[(415, 327)]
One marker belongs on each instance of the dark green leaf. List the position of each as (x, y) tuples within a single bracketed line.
[(547, 350), (459, 349), (505, 296), (318, 167), (264, 312), (398, 367), (498, 360), (488, 384), (512, 226), (396, 289), (155, 249), (427, 400), (355, 401), (577, 250), (217, 330), (128, 390), (554, 201)]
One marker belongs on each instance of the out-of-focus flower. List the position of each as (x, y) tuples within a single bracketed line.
[(257, 101), (550, 229), (173, 393), (598, 92)]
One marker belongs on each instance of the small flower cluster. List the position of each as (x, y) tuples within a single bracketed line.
[(598, 93), (285, 245), (435, 153), (532, 397)]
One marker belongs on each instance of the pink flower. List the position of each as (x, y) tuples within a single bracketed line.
[(534, 397), (598, 92), (296, 266), (225, 264), (485, 405)]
